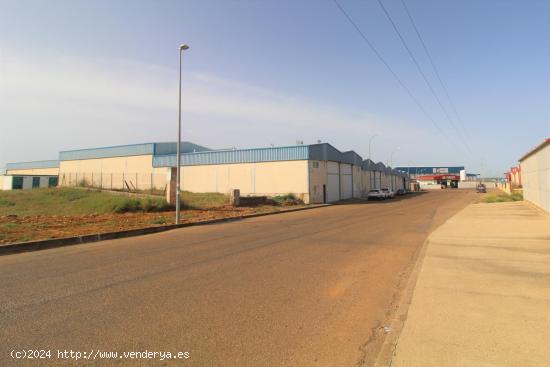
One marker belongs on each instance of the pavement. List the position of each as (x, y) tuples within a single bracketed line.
[(482, 297), (309, 288)]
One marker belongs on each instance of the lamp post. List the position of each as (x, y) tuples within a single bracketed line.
[(182, 48)]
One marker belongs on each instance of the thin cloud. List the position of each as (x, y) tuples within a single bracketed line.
[(73, 95)]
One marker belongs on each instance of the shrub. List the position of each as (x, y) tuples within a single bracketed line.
[(501, 198), (155, 205), (160, 220), (83, 183), (127, 205), (288, 199), (70, 194), (5, 202)]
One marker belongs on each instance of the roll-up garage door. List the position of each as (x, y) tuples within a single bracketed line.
[(347, 181), (333, 182)]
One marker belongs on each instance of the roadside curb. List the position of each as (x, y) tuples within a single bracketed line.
[(18, 247)]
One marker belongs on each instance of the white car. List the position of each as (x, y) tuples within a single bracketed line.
[(376, 194), (389, 194)]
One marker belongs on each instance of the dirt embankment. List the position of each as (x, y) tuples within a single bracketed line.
[(14, 228)]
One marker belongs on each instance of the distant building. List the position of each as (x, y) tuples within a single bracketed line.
[(316, 173), (28, 175), (435, 177)]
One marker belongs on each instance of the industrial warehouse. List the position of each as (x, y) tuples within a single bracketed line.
[(317, 173), (440, 177)]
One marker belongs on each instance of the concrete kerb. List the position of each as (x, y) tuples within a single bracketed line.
[(18, 247)]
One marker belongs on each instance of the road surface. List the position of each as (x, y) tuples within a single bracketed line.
[(307, 288)]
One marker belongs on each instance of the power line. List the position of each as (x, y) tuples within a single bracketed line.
[(451, 103), (401, 83), (432, 90)]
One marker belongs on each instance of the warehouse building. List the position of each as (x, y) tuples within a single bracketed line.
[(436, 177), (28, 175), (535, 175), (316, 173), (122, 167)]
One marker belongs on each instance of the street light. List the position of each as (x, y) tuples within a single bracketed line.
[(370, 143), (182, 48)]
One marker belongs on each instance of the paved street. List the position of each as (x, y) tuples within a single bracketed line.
[(297, 289)]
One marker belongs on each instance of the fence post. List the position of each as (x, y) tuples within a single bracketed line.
[(136, 181), (92, 179), (111, 181)]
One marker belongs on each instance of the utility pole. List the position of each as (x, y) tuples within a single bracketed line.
[(182, 48)]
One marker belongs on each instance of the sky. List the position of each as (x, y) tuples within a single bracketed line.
[(77, 74)]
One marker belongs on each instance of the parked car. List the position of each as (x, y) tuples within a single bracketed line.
[(376, 194), (389, 194), (400, 192), (481, 188)]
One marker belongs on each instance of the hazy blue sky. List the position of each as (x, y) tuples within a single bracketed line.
[(77, 74)]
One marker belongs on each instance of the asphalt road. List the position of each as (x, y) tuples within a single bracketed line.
[(308, 288)]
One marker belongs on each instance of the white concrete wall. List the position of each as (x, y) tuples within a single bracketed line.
[(429, 185), (535, 170), (317, 179), (357, 181), (333, 181), (346, 181), (5, 182), (44, 181), (255, 179), (113, 173), (27, 182)]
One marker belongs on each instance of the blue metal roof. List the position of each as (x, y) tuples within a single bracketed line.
[(380, 167), (368, 165), (351, 157), (128, 150), (292, 153), (170, 148), (321, 152), (324, 152), (193, 154), (31, 165)]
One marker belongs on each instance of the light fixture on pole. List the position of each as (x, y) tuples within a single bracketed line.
[(182, 48)]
